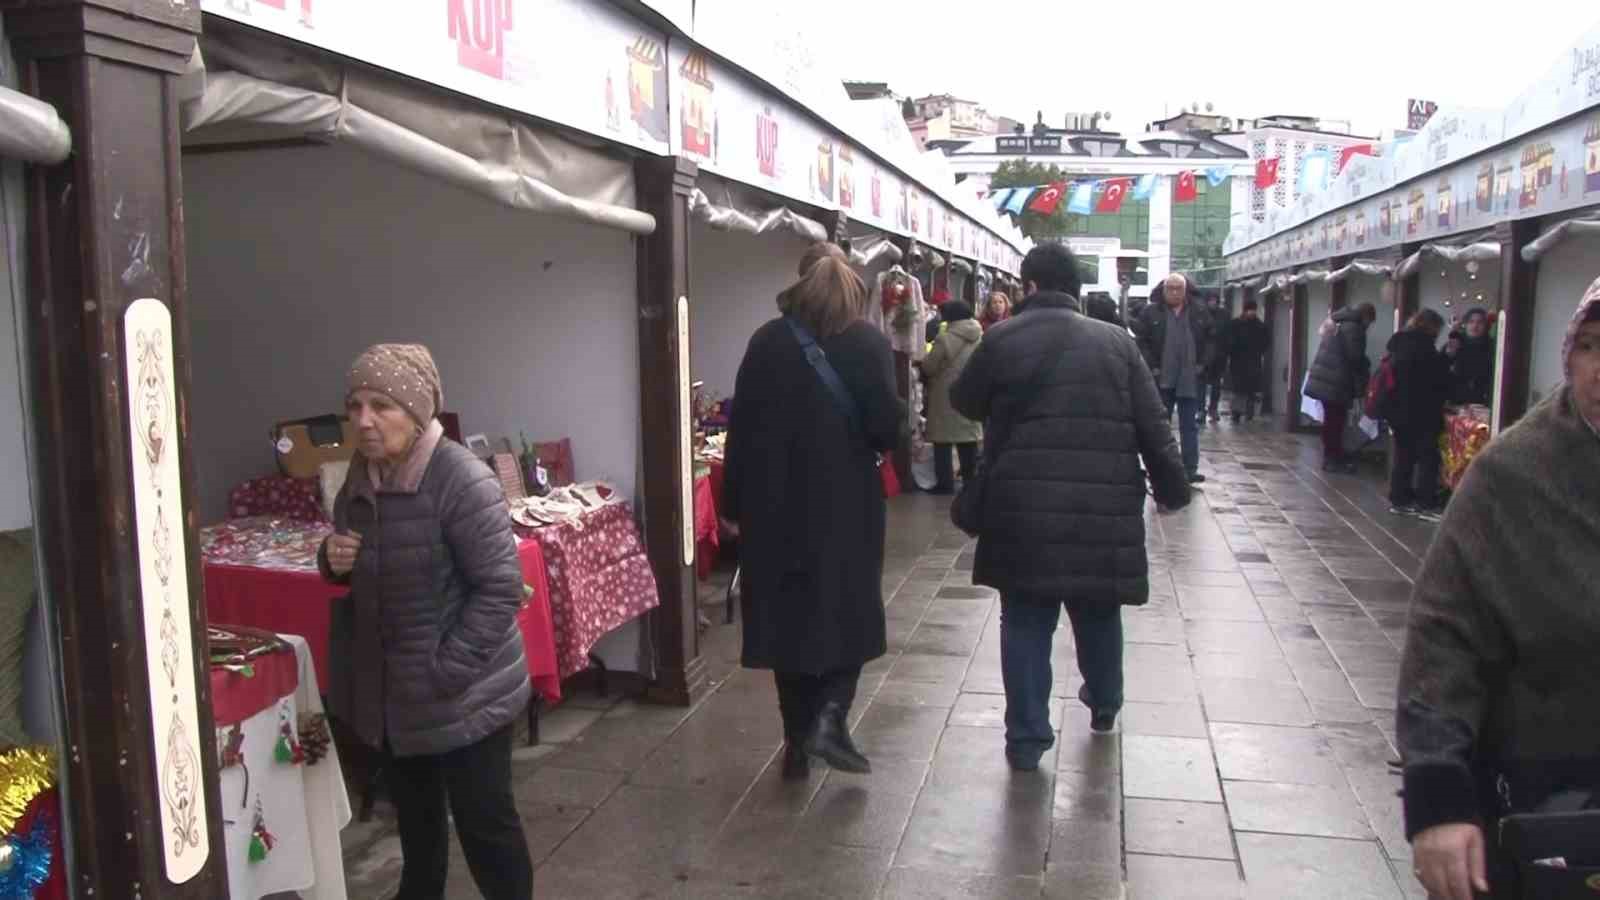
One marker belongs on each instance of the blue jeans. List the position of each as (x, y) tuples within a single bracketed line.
[(1027, 630), (1188, 426)]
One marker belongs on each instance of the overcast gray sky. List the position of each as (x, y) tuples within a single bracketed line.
[(1357, 60)]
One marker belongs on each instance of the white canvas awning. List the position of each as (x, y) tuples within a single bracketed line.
[(1545, 242), (256, 89), (1482, 251), (727, 206), (1360, 267)]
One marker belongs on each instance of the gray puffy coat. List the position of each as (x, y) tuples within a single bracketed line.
[(425, 651), (1341, 367), (1070, 410)]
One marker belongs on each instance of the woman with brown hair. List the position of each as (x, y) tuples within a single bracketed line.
[(996, 309), (813, 406)]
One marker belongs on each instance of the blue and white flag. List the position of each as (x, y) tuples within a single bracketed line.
[(1019, 200), (1145, 187), (1082, 198), (1315, 170), (1216, 175), (999, 197)]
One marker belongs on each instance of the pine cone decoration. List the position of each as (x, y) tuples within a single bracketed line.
[(315, 738)]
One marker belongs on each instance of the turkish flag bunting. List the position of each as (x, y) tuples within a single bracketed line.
[(1048, 199), (1347, 153), (1116, 190), (1185, 192), (1267, 172)]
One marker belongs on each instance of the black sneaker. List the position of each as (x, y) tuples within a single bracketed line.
[(1429, 514), (1196, 478), (1103, 723), (1022, 761), (1402, 509)]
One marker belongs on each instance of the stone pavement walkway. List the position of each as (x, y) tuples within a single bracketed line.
[(1253, 759)]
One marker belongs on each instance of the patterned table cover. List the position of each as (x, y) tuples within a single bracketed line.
[(1466, 432), (277, 495), (600, 579)]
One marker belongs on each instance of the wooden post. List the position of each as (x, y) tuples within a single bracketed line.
[(1518, 286), (1340, 289), (1408, 290), (664, 185), (1298, 362), (1268, 359), (106, 230)]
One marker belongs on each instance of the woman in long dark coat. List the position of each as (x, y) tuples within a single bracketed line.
[(802, 487)]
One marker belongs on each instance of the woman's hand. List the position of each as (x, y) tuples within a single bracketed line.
[(1450, 862), (342, 550)]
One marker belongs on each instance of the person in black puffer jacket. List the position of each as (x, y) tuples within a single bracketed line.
[(1415, 411), (1070, 410), (1473, 362), (1338, 376), (427, 659)]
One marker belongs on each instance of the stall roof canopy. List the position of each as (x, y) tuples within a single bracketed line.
[(252, 89), (591, 66), (1466, 170)]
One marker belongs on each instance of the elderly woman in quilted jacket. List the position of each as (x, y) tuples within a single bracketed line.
[(1497, 710), (427, 661)]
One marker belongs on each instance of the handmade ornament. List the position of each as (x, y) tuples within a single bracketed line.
[(231, 753), (288, 749), (315, 738), (895, 294), (261, 840), (27, 854), (25, 773)]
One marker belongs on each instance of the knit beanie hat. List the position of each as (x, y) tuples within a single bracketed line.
[(1588, 311), (403, 372)]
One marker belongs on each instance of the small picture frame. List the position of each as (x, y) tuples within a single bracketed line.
[(479, 445)]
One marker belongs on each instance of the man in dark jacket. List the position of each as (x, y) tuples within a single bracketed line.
[(1178, 357), (1338, 376), (1246, 346), (1070, 410), (1415, 411), (1211, 377)]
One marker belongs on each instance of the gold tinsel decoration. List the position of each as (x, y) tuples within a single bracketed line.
[(25, 773)]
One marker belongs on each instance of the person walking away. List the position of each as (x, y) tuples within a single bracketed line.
[(427, 661), (1339, 375), (1415, 412), (1246, 346), (1175, 336), (1472, 365), (996, 310), (1102, 307), (948, 430), (1212, 376), (814, 404), (1070, 410), (1498, 681)]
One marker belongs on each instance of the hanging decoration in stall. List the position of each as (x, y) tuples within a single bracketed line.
[(1112, 192), (30, 837)]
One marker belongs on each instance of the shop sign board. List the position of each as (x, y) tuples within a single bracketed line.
[(1418, 112), (1551, 171), (607, 74), (164, 587)]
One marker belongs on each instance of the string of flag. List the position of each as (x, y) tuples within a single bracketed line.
[(1101, 195)]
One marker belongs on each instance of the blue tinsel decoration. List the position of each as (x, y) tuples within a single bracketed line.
[(30, 861)]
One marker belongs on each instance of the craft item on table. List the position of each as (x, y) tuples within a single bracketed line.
[(28, 851), (315, 737), (261, 840), (556, 457), (280, 496), (264, 542), (564, 504), (232, 647), (230, 753), (287, 750)]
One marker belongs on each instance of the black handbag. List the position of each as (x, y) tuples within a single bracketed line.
[(1555, 848), (966, 510)]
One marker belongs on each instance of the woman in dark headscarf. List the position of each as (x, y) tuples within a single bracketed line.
[(1497, 710)]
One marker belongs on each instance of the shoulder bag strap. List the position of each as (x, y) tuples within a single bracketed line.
[(837, 390)]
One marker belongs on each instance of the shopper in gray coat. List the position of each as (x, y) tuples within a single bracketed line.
[(427, 659)]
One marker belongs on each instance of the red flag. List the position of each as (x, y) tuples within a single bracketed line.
[(1048, 199), (1348, 152), (1267, 172), (1185, 192), (1116, 191)]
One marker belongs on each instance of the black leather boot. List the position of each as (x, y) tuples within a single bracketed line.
[(796, 764), (830, 741)]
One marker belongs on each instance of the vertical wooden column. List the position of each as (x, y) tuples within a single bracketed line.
[(1341, 288), (1269, 364), (1300, 308), (106, 230), (969, 291), (1408, 290), (663, 186), (1518, 284)]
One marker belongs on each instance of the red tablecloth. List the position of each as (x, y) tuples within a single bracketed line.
[(236, 696), (715, 479), (299, 602), (600, 579), (707, 537)]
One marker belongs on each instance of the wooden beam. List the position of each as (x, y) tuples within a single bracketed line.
[(663, 186), (106, 230), (1518, 288), (1298, 362)]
